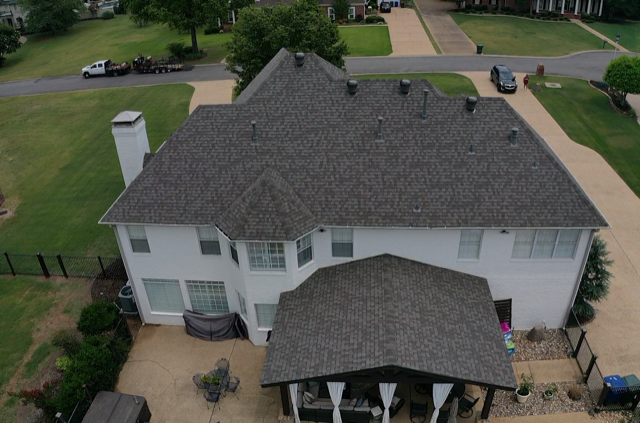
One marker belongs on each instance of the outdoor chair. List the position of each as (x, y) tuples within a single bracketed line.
[(466, 404), (212, 396), (222, 365), (233, 385), (418, 410), (196, 380)]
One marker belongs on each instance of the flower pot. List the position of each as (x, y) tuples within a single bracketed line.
[(548, 395), (522, 398)]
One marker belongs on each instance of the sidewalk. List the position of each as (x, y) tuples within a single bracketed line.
[(211, 92), (599, 35), (407, 34), (549, 371)]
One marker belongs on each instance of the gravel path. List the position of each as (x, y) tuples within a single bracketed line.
[(555, 346), (506, 405)]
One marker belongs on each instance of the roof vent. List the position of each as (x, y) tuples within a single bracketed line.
[(352, 86), (424, 104), (379, 134), (405, 86), (299, 59), (417, 208), (471, 149), (254, 135), (536, 165), (513, 139), (471, 104)]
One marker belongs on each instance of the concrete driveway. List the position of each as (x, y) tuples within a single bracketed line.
[(407, 34), (448, 35)]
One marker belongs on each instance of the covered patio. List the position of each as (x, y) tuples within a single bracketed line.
[(384, 320)]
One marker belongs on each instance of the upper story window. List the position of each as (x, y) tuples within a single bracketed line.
[(138, 238), (266, 314), (547, 243), (305, 250), (342, 242), (266, 256), (209, 243), (470, 242), (234, 252), (243, 305)]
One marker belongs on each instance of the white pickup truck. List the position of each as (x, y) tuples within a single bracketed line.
[(106, 67)]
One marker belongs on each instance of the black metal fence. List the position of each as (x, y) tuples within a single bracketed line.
[(67, 266)]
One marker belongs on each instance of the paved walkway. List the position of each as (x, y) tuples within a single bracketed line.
[(407, 34), (549, 371), (599, 35), (634, 101), (613, 334), (448, 35), (582, 417), (211, 92)]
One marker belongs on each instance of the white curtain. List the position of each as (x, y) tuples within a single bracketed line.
[(440, 393), (386, 393), (335, 391), (453, 411), (293, 393)]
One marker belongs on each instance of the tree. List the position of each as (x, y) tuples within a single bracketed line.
[(341, 9), (9, 41), (261, 32), (623, 75), (51, 15), (140, 11), (621, 8), (595, 282)]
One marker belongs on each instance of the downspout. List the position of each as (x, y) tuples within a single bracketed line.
[(575, 291)]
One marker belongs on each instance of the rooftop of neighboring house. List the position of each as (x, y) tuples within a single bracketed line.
[(319, 155), (261, 3)]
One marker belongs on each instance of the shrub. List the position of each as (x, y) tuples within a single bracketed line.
[(211, 30), (529, 15), (63, 363), (595, 281), (176, 49), (507, 9), (575, 392), (107, 15), (374, 19), (196, 56), (493, 12), (98, 317), (483, 7), (67, 341), (467, 7), (359, 18), (467, 11), (42, 398)]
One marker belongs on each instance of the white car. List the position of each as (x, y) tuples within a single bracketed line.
[(98, 68)]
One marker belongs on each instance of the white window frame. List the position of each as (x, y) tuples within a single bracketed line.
[(173, 284), (208, 237), (339, 237), (138, 239), (263, 311), (466, 243), (243, 305), (352, 13), (266, 256), (198, 290), (233, 252), (331, 13), (302, 245), (554, 253)]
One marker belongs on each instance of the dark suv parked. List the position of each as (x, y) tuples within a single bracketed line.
[(385, 7), (503, 78)]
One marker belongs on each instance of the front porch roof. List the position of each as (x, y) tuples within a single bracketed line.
[(385, 318)]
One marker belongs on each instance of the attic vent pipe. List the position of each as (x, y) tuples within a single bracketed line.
[(405, 86), (299, 59), (254, 135), (513, 139), (471, 104), (424, 104), (352, 86), (471, 149), (379, 135), (536, 165)]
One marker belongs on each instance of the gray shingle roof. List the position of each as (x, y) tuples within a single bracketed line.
[(321, 141), (388, 311)]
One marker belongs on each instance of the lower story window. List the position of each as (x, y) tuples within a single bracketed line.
[(266, 315), (331, 13), (352, 13), (164, 295), (208, 297)]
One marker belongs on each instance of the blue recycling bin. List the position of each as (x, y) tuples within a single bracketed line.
[(618, 387)]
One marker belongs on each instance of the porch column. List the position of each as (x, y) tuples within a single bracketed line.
[(550, 5), (538, 6), (577, 5), (488, 401), (600, 11), (589, 7), (562, 11), (284, 397)]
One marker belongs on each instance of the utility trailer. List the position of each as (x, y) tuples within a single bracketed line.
[(143, 64)]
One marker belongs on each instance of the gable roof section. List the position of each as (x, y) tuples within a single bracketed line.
[(322, 142), (394, 312)]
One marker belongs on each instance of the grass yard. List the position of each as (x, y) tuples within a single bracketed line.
[(450, 83), (117, 39), (366, 40), (629, 33), (60, 170), (585, 115), (524, 37)]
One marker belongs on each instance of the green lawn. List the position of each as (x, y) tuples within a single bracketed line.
[(585, 115), (60, 166), (117, 39), (629, 33), (366, 40), (450, 83), (524, 37)]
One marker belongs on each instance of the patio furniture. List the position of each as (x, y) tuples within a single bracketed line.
[(196, 380), (233, 385), (418, 410), (466, 404), (213, 395), (457, 391), (443, 417), (222, 365)]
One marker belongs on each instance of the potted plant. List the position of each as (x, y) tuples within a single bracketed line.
[(524, 389), (209, 380), (551, 389)]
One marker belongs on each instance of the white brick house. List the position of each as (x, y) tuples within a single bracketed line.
[(246, 201)]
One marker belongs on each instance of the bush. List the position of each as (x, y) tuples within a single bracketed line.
[(42, 398), (98, 317), (359, 18), (176, 49), (467, 7), (529, 15), (467, 11), (493, 12), (63, 363), (507, 9), (483, 7), (374, 19), (195, 56), (107, 15), (67, 341), (212, 30)]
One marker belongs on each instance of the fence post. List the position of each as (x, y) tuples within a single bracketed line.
[(590, 368), (61, 263), (582, 335), (636, 400), (45, 271), (6, 255), (104, 274), (603, 395)]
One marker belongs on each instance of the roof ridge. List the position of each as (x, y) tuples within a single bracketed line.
[(265, 75)]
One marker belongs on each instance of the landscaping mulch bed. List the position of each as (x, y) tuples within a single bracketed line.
[(613, 417), (554, 347), (106, 290), (506, 405)]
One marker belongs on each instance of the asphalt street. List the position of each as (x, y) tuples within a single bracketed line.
[(589, 65)]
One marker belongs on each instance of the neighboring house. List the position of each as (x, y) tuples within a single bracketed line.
[(11, 14), (564, 7), (357, 7), (309, 169)]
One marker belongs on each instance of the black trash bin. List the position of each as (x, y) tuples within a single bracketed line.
[(479, 48), (127, 300)]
